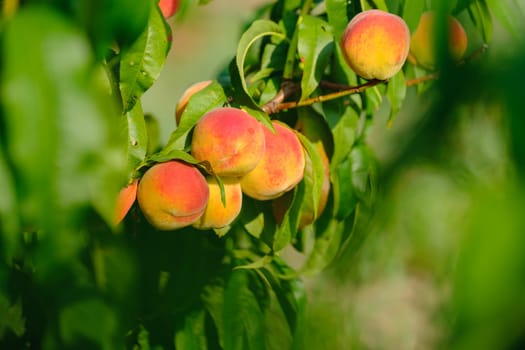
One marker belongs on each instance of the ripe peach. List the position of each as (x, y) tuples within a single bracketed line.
[(311, 126), (186, 95), (231, 140), (125, 200), (282, 203), (168, 7), (216, 214), (422, 46), (376, 44), (280, 169), (172, 195)]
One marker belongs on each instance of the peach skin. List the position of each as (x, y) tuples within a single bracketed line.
[(375, 44), (280, 169), (125, 200), (172, 195), (216, 214), (231, 140)]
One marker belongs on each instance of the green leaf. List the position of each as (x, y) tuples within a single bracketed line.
[(337, 16), (213, 299), (481, 17), (343, 121), (344, 196), (203, 101), (412, 11), (313, 177), (373, 100), (315, 46), (363, 175), (326, 246), (174, 154), (287, 230), (243, 98), (257, 30), (142, 62), (108, 21), (242, 315), (12, 317), (509, 14), (192, 336), (373, 4), (88, 319), (396, 92), (137, 136)]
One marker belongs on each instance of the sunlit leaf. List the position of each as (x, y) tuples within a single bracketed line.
[(137, 135), (142, 62), (257, 30), (315, 46)]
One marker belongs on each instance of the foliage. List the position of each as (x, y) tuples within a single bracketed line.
[(73, 132)]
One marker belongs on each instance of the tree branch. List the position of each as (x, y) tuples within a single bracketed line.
[(289, 88)]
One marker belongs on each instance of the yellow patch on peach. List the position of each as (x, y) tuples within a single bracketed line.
[(281, 167), (376, 44), (231, 140), (172, 195), (216, 214)]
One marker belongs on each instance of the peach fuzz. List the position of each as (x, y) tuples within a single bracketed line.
[(231, 140), (168, 7), (125, 199), (172, 195), (216, 214), (422, 46), (185, 98), (280, 169), (375, 44)]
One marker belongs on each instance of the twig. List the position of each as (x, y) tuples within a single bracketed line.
[(288, 88)]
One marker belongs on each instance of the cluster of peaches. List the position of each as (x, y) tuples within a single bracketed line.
[(251, 159)]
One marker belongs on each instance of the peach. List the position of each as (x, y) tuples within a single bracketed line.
[(168, 7), (423, 43), (172, 195), (185, 98), (281, 167), (231, 140), (281, 204), (375, 44), (216, 214), (316, 131), (125, 199)]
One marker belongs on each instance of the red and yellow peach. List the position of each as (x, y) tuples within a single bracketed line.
[(375, 44), (281, 167), (217, 214), (231, 140), (172, 195)]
